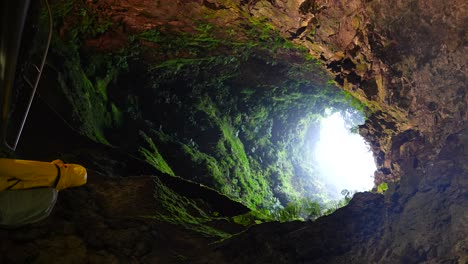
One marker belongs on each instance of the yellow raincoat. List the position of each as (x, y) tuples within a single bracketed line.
[(27, 174)]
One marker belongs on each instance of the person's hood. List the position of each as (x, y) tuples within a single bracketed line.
[(71, 175)]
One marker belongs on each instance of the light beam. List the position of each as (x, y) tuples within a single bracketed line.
[(344, 159)]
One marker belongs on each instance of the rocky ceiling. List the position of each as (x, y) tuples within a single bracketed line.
[(405, 61)]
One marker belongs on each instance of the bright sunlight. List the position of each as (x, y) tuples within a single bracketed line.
[(344, 159)]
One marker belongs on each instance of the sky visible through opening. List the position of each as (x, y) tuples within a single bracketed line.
[(344, 159)]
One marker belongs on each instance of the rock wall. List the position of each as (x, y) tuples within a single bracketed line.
[(406, 60), (421, 219), (113, 220)]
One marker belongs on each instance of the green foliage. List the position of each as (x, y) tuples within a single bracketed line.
[(254, 217), (383, 187), (240, 180), (189, 54), (88, 105), (210, 49), (235, 104), (291, 212), (332, 206), (86, 91), (117, 115), (83, 85), (177, 209), (81, 21), (306, 208), (311, 209), (299, 210), (153, 157), (354, 103), (264, 34), (210, 164)]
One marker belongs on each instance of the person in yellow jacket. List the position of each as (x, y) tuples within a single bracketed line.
[(28, 189), (27, 174)]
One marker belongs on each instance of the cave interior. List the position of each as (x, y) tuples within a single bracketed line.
[(199, 123)]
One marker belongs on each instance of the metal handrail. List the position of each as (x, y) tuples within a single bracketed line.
[(33, 86)]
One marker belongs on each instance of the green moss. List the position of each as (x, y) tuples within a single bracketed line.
[(266, 35), (233, 103), (179, 210), (81, 20), (117, 115), (383, 187), (84, 83), (202, 159), (355, 103), (210, 47), (86, 90), (240, 180), (153, 157), (88, 105), (253, 218)]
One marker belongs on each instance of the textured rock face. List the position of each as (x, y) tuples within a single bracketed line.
[(421, 219), (110, 221), (408, 60), (405, 59)]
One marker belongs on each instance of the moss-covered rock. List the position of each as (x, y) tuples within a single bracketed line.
[(228, 107)]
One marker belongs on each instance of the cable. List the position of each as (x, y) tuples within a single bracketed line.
[(39, 69)]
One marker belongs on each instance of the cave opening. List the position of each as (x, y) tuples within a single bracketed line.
[(343, 158), (327, 159)]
